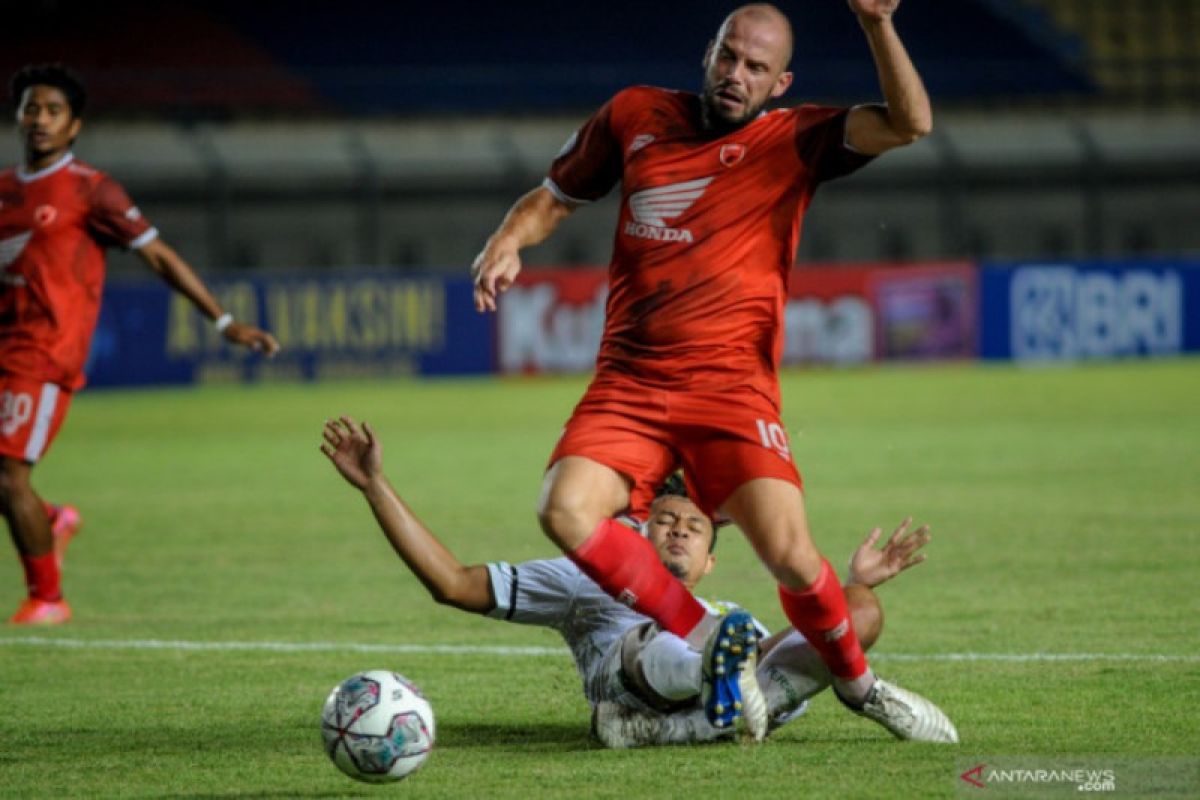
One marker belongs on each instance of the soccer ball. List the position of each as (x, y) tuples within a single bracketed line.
[(377, 726)]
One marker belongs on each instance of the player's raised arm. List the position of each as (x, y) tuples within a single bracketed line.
[(530, 221), (176, 272), (357, 455), (908, 115)]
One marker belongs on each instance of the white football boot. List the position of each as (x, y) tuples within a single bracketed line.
[(906, 714)]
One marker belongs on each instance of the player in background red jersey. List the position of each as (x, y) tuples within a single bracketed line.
[(714, 188), (57, 217)]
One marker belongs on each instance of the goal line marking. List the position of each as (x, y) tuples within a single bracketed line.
[(505, 650)]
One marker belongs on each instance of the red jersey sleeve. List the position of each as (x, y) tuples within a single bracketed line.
[(589, 165), (821, 143), (113, 219)]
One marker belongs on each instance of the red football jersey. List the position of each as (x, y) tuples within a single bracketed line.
[(54, 227), (707, 234)]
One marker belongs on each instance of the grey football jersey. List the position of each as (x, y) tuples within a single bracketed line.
[(553, 593)]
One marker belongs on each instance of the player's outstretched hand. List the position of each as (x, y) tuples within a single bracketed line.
[(354, 451), (870, 566), (249, 336), (494, 270), (877, 10)]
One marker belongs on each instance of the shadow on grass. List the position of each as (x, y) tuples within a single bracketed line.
[(542, 737)]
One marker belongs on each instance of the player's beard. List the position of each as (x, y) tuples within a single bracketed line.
[(676, 568), (714, 121)]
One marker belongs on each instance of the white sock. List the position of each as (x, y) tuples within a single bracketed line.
[(671, 668), (856, 690)]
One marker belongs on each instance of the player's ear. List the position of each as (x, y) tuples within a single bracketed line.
[(782, 83), (709, 563), (74, 128), (708, 52)]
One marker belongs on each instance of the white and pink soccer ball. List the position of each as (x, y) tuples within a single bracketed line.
[(377, 726)]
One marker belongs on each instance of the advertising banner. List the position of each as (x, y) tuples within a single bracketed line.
[(346, 326), (552, 320), (1035, 312)]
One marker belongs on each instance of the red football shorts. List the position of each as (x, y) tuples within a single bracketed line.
[(31, 412), (722, 439)]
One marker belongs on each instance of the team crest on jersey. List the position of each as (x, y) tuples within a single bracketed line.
[(732, 153), (640, 141), (652, 208), (43, 215)]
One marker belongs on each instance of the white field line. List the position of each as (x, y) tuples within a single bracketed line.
[(500, 650)]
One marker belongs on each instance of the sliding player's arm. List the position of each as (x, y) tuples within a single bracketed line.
[(358, 456), (530, 221), (871, 566)]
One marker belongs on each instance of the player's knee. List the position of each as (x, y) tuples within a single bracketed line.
[(575, 498), (566, 517), (866, 613)]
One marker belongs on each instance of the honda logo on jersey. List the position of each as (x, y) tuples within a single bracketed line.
[(732, 153), (652, 208)]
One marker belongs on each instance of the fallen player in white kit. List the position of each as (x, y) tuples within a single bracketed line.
[(644, 685)]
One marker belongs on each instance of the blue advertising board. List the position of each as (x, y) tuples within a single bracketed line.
[(352, 325), (1036, 312), (380, 325)]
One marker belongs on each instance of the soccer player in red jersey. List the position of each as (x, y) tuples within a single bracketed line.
[(714, 188), (57, 216)]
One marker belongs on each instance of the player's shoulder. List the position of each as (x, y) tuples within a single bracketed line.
[(87, 173), (808, 114), (637, 98), (651, 111), (646, 93)]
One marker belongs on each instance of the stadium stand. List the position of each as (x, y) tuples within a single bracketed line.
[(270, 135), (220, 59), (1144, 52)]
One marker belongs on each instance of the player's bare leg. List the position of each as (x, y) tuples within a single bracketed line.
[(30, 530), (579, 498), (771, 514), (577, 493)]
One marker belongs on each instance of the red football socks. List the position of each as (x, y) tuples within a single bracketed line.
[(626, 566), (820, 613), (42, 577)]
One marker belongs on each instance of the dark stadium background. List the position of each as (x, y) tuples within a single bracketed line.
[(275, 141)]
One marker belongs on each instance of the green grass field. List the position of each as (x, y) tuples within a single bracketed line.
[(1065, 505)]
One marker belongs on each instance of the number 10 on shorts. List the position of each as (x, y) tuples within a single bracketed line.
[(773, 437)]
